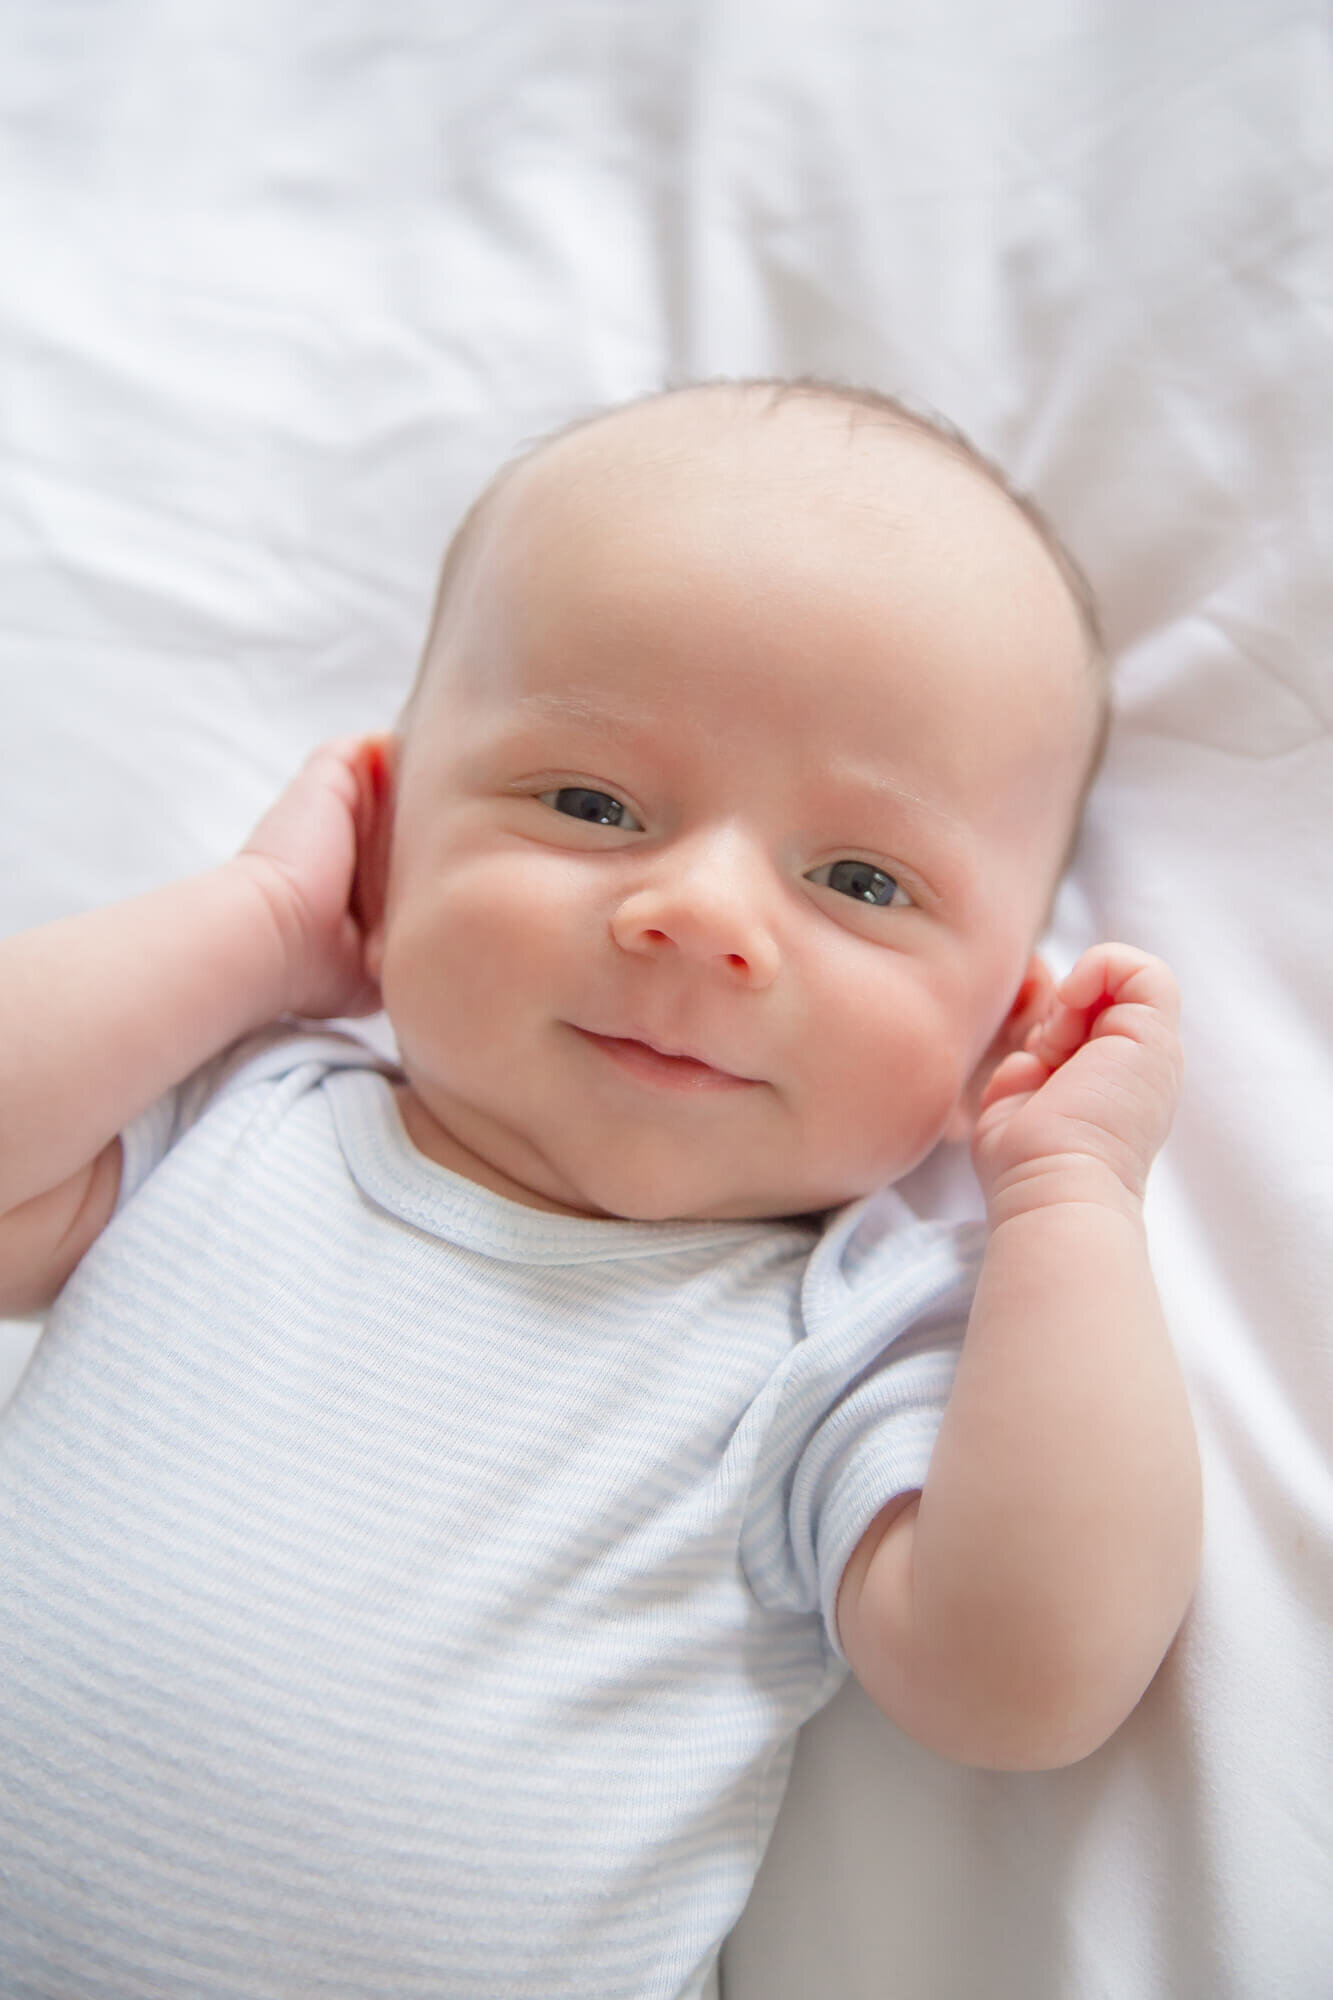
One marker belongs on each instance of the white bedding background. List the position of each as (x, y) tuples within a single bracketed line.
[(280, 285)]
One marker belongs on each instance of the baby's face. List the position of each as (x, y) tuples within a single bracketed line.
[(728, 815)]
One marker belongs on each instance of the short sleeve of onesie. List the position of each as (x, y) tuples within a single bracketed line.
[(851, 1420), (146, 1142)]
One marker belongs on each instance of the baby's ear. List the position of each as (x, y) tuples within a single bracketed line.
[(377, 770), (1029, 1006)]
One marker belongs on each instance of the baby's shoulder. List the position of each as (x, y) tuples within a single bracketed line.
[(285, 1058)]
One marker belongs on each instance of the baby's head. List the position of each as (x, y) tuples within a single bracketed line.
[(749, 740)]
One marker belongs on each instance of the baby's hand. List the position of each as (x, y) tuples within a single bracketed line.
[(304, 855), (1094, 1086)]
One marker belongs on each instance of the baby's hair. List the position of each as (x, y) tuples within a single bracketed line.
[(861, 405)]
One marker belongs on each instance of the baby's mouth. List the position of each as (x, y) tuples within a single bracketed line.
[(667, 1068)]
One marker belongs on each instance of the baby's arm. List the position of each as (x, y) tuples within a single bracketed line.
[(102, 1013), (1012, 1614)]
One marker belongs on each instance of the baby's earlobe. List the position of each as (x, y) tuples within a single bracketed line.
[(380, 758), (1031, 1004), (377, 760)]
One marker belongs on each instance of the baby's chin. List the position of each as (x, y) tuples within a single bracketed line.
[(644, 1175), (654, 1183)]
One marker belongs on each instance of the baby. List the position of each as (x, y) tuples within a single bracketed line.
[(443, 1489)]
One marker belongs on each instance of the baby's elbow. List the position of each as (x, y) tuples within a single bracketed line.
[(1040, 1718), (1059, 1734), (1007, 1684), (43, 1238), (987, 1739)]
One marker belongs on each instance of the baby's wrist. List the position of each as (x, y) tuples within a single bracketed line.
[(278, 930), (1062, 1181)]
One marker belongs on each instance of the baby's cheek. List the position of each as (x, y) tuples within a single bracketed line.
[(522, 930), (506, 902), (891, 1081)]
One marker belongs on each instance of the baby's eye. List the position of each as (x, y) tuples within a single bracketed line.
[(598, 808), (862, 881)]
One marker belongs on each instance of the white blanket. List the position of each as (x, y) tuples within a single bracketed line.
[(281, 285)]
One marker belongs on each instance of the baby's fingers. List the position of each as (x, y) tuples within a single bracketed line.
[(1113, 989), (1017, 1076), (1116, 974)]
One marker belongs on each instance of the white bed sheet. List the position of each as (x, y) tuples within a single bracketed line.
[(282, 284)]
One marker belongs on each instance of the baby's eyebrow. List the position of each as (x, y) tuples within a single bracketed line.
[(852, 776), (568, 705)]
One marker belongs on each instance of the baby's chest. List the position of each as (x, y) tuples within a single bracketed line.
[(371, 1450), (349, 1641)]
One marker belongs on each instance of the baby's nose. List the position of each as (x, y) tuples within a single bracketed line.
[(708, 907)]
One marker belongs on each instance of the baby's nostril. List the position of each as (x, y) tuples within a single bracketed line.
[(734, 958)]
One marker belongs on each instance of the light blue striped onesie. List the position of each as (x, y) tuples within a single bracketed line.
[(408, 1593)]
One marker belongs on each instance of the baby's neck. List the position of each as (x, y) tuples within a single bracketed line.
[(438, 1143)]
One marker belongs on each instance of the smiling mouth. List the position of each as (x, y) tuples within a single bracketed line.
[(651, 1065)]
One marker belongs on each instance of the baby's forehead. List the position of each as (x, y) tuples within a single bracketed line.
[(794, 447), (721, 489), (767, 467), (755, 470)]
